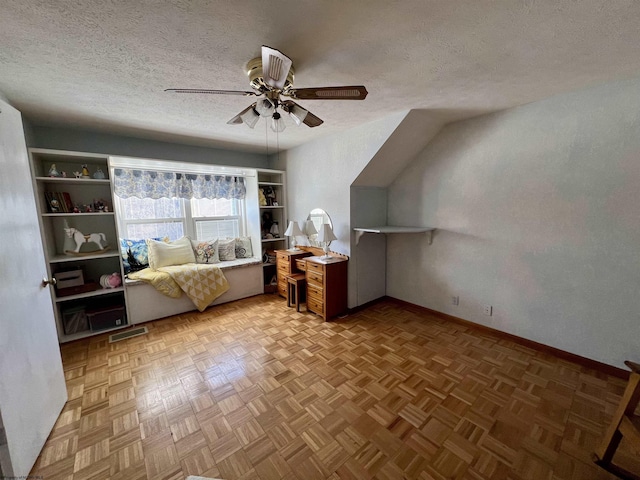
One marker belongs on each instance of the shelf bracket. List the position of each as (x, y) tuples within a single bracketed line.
[(359, 234), (429, 234)]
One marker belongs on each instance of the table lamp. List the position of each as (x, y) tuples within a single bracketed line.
[(325, 237), (293, 230)]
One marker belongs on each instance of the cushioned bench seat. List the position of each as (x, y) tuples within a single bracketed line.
[(145, 303)]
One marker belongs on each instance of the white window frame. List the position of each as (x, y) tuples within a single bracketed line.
[(188, 221), (241, 216)]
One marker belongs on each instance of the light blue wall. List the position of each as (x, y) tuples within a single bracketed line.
[(537, 215), (95, 142)]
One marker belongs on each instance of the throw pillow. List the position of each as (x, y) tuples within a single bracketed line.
[(227, 249), (206, 251), (243, 247), (139, 253), (173, 253)]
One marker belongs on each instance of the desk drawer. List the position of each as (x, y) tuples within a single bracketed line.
[(314, 305), (315, 291), (315, 267), (284, 268), (301, 265), (282, 288), (282, 257), (315, 277)]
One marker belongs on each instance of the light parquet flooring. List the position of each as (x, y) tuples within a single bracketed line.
[(256, 390)]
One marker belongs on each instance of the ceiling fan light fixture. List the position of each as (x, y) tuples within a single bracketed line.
[(298, 114), (277, 123), (250, 117), (265, 107)]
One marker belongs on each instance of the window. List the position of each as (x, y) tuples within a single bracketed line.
[(200, 219), (156, 198), (218, 218)]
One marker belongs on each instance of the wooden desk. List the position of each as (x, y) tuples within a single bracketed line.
[(326, 286), (286, 265)]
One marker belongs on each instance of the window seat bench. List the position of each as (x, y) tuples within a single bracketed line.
[(145, 303)]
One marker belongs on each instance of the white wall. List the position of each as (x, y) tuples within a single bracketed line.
[(368, 258), (538, 215), (320, 173)]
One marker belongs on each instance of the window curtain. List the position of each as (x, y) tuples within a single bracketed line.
[(149, 184)]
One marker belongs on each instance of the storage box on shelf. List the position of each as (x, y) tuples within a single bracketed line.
[(78, 232), (273, 219)]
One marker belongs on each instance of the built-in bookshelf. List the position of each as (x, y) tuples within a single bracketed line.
[(79, 235), (273, 219)]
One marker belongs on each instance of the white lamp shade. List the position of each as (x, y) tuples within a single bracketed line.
[(326, 234), (264, 107), (293, 230), (250, 117), (309, 228), (277, 123)]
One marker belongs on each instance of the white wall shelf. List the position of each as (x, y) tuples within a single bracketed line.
[(92, 293), (392, 229), (279, 239), (73, 181)]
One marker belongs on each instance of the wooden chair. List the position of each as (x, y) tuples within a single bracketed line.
[(295, 287), (624, 424)]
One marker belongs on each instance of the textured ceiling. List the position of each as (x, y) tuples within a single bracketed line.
[(103, 64)]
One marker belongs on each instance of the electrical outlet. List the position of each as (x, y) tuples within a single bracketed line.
[(455, 300), (487, 310)]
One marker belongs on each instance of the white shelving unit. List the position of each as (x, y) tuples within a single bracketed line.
[(388, 229), (272, 181), (73, 192)]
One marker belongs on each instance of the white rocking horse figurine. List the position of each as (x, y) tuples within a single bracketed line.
[(79, 238)]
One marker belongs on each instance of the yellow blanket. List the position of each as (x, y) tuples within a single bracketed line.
[(201, 282)]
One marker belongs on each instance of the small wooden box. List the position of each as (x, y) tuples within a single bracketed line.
[(72, 278)]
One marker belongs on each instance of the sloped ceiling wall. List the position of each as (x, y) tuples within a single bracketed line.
[(410, 137)]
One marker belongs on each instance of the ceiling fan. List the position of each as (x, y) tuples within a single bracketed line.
[(271, 78)]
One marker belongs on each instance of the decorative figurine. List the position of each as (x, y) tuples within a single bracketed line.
[(79, 238), (64, 174), (99, 205), (53, 171), (77, 174), (99, 175), (85, 171), (270, 195)]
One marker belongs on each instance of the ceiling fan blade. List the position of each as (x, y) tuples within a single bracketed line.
[(301, 115), (216, 92), (355, 92), (275, 67), (312, 121)]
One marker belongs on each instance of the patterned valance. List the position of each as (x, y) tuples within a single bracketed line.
[(149, 184)]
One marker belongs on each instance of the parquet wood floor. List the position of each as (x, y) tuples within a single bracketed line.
[(256, 390)]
